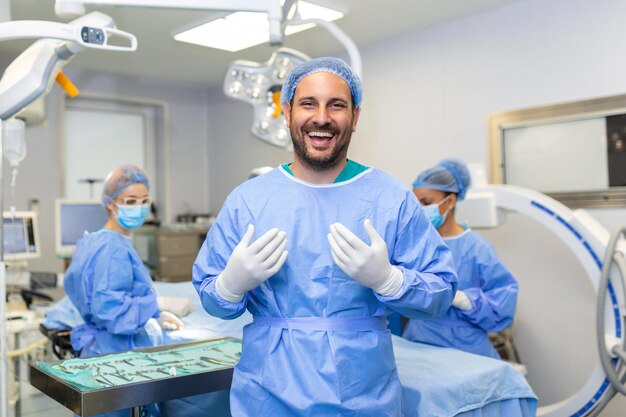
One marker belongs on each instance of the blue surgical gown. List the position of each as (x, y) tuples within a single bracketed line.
[(490, 287), (112, 289), (322, 358)]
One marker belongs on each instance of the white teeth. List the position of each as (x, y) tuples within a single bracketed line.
[(321, 134)]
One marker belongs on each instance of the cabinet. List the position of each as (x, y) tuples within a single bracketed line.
[(169, 254), (176, 250)]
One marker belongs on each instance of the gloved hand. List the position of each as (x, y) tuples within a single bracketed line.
[(169, 321), (251, 264), (180, 306), (368, 265), (461, 301)]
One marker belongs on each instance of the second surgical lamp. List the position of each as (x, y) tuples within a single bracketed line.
[(259, 85)]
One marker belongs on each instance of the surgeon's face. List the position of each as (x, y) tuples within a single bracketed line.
[(428, 196), (321, 119), (133, 195)]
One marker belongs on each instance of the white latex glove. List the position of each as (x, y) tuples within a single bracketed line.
[(180, 306), (368, 265), (251, 264), (461, 301), (169, 321)]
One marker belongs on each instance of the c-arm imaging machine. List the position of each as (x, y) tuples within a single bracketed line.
[(602, 257)]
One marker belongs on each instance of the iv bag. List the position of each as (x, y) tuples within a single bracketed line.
[(13, 141)]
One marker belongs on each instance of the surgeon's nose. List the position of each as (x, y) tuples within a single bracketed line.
[(321, 116)]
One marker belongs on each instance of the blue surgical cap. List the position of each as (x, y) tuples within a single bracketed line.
[(121, 178), (324, 64), (450, 175)]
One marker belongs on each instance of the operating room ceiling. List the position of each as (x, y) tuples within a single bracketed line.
[(160, 56)]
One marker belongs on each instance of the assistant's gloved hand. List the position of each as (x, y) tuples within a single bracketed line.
[(169, 321), (251, 264), (180, 306), (461, 301), (368, 265)]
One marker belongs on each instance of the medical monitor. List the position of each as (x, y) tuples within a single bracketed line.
[(73, 219), (20, 235)]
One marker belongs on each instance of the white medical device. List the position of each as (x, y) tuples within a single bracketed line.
[(33, 72), (21, 235), (484, 207), (74, 218)]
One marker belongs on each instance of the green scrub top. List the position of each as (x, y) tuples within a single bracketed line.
[(351, 170)]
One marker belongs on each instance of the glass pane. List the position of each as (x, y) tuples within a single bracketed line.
[(558, 157)]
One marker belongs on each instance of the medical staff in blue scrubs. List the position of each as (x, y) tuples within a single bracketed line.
[(107, 281), (320, 251), (487, 292)]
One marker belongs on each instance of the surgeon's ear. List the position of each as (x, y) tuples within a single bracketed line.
[(453, 198), (355, 117), (287, 111)]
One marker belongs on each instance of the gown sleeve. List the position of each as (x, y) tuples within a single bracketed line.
[(426, 263), (211, 261), (493, 303), (113, 305)]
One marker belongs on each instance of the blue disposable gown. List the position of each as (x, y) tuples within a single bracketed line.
[(328, 369), (490, 287), (112, 290)]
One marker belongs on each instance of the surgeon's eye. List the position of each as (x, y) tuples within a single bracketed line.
[(338, 106), (133, 201)]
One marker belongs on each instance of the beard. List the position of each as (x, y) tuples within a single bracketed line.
[(320, 163)]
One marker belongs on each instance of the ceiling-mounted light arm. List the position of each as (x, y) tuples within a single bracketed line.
[(33, 72), (86, 36), (290, 9), (340, 35), (273, 8)]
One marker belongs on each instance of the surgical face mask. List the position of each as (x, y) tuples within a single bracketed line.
[(432, 211), (132, 217)]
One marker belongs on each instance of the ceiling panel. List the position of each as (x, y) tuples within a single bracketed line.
[(159, 56)]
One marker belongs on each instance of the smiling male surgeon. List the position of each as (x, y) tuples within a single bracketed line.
[(320, 251)]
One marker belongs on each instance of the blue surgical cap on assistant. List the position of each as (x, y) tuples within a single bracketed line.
[(324, 64), (450, 175), (121, 178)]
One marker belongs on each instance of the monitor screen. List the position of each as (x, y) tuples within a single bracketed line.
[(74, 219), (20, 235)]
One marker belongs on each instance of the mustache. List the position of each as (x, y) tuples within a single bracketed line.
[(326, 127)]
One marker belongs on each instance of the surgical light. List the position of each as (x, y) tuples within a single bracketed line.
[(242, 30), (34, 71), (259, 85)]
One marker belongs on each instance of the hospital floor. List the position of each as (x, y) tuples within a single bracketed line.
[(40, 405)]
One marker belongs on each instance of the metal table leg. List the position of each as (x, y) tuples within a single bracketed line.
[(18, 403)]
